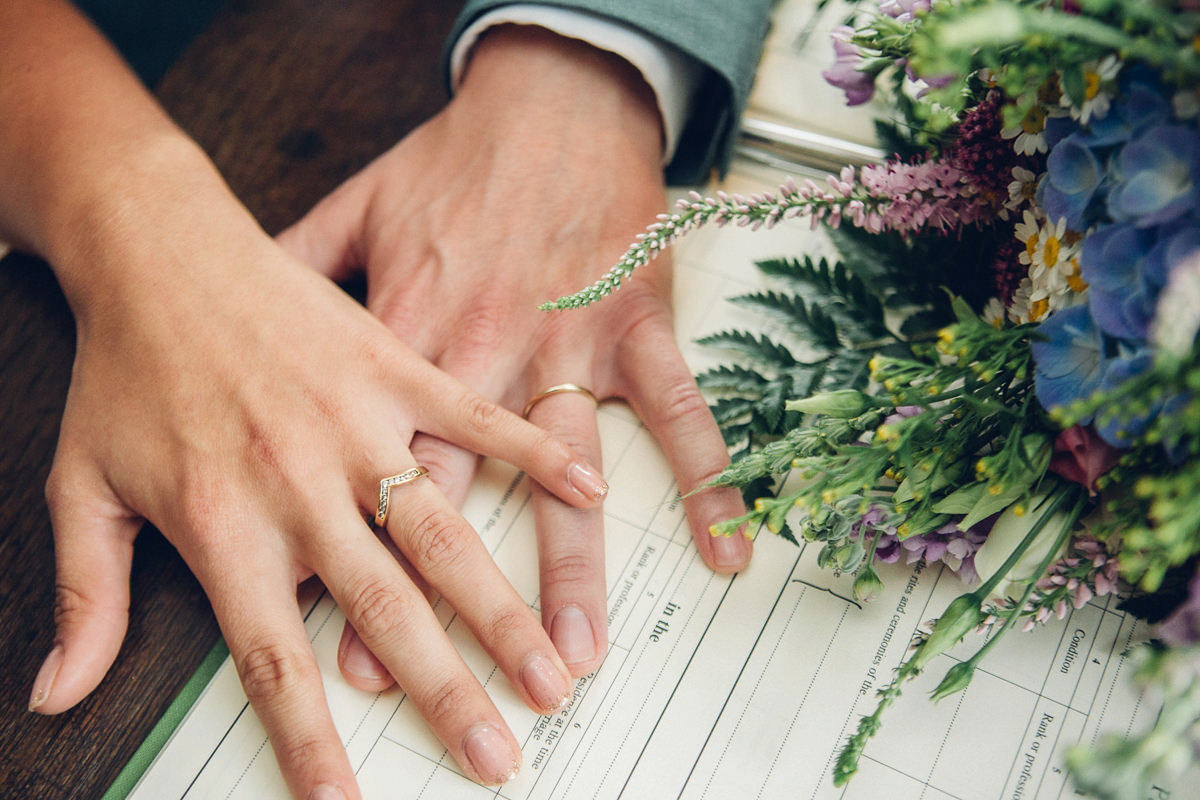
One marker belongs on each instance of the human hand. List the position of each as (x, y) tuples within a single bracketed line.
[(528, 185), (247, 408)]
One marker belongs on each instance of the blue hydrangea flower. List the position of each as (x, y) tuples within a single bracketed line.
[(1069, 358), (1074, 175), (1120, 301), (1126, 269), (1159, 176)]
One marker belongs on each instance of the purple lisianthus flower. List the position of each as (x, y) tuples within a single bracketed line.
[(904, 10), (1073, 177), (1182, 628), (1159, 176), (846, 73), (950, 545), (1069, 360)]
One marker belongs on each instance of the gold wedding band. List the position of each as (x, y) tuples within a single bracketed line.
[(385, 490), (561, 388)]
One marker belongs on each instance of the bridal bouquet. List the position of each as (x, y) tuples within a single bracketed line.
[(1001, 370)]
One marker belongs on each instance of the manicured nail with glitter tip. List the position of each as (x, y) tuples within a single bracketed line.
[(326, 792), (587, 481), (571, 633), (490, 755), (44, 683), (549, 687), (730, 551)]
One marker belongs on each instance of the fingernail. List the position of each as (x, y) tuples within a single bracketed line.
[(587, 481), (358, 660), (44, 683), (326, 792), (546, 683), (730, 551), (571, 633), (490, 755)]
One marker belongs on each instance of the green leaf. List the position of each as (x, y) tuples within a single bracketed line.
[(961, 500), (728, 409), (989, 503), (773, 403), (731, 377), (759, 348)]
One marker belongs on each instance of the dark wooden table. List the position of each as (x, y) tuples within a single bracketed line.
[(289, 97)]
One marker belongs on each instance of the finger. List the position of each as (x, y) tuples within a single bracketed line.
[(665, 395), (279, 672), (571, 546), (464, 417), (399, 627), (451, 467), (326, 237), (93, 544), (359, 666), (449, 554)]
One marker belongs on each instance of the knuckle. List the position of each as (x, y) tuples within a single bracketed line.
[(507, 626), (644, 307), (568, 570), (269, 670), (446, 700), (437, 541), (683, 404), (481, 329), (378, 606), (481, 415), (298, 748), (69, 603)]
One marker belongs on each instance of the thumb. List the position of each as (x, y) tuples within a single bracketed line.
[(93, 543), (325, 238)]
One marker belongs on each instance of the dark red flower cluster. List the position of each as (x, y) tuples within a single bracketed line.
[(984, 156)]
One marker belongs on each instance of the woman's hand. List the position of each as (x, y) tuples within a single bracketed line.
[(248, 409), (527, 186)]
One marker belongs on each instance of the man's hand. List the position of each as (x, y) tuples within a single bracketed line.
[(528, 186)]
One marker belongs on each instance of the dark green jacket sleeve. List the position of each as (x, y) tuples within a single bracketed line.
[(725, 36)]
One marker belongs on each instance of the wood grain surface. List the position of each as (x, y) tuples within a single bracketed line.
[(289, 97)]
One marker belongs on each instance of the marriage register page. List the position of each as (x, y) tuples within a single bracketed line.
[(713, 687)]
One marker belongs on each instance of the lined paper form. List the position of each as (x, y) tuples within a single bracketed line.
[(713, 687)]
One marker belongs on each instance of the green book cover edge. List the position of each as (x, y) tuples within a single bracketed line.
[(166, 725)]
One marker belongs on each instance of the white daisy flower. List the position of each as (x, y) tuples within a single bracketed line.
[(993, 312), (1020, 310), (1021, 189), (1029, 133), (1099, 83)]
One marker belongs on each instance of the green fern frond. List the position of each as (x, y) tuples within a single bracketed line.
[(733, 378), (758, 348)]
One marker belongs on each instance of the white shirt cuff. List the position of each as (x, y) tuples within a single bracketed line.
[(671, 75)]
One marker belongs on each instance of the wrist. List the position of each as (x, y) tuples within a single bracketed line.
[(148, 210), (555, 82)]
